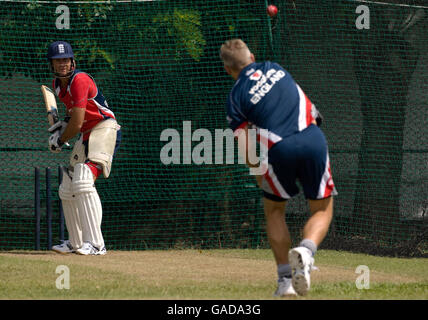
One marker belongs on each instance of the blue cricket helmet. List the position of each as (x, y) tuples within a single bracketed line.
[(60, 49)]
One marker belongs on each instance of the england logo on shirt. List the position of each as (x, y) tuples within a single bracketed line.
[(256, 75)]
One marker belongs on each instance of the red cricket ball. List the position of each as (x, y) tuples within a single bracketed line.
[(272, 10)]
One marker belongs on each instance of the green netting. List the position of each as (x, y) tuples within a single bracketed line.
[(157, 64)]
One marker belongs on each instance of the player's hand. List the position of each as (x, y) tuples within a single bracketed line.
[(319, 119), (59, 126), (55, 143), (317, 115)]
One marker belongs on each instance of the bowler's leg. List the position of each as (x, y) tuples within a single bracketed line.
[(280, 242), (277, 230), (314, 232), (317, 226)]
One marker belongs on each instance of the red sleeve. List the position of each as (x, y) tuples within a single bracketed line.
[(80, 90)]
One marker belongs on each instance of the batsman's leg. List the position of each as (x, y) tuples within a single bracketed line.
[(71, 215), (90, 210)]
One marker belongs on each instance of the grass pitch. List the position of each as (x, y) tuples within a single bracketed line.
[(206, 274)]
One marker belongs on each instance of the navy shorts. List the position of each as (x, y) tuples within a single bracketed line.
[(303, 156)]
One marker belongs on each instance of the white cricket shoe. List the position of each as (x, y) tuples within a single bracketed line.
[(89, 250), (302, 263), (64, 248), (285, 288)]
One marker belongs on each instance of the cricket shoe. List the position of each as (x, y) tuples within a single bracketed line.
[(302, 263), (89, 250), (285, 288), (64, 248)]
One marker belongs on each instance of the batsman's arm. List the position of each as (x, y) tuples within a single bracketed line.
[(74, 125), (79, 90)]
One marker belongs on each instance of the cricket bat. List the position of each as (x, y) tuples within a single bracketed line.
[(51, 106)]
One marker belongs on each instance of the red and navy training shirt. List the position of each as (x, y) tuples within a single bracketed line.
[(265, 96), (82, 92)]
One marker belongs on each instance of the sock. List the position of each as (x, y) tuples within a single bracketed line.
[(284, 270), (307, 243)]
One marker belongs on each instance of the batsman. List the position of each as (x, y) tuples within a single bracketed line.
[(89, 116)]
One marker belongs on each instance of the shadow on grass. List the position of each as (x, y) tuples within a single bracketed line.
[(26, 253)]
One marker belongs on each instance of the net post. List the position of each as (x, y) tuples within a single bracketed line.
[(37, 207), (48, 208), (61, 211)]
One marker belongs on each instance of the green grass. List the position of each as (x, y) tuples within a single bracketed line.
[(211, 274), (402, 266), (384, 291)]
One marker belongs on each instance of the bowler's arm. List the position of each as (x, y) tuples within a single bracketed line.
[(247, 146)]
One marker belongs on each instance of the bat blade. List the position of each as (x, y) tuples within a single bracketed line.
[(51, 106)]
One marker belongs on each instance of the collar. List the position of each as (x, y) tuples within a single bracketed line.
[(246, 69)]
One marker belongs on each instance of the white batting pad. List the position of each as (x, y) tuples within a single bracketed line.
[(102, 142), (78, 152), (89, 205), (71, 214)]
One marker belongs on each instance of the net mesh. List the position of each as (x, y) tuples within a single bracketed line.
[(157, 63)]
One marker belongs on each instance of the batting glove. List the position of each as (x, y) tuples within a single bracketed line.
[(55, 143), (59, 126)]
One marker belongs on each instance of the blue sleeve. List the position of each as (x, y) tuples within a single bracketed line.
[(235, 116)]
